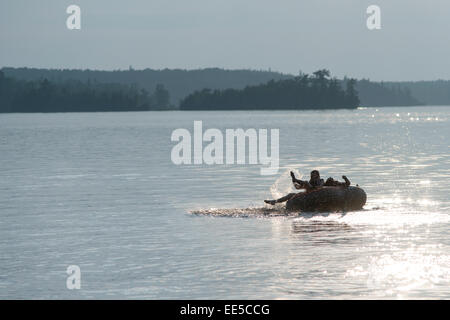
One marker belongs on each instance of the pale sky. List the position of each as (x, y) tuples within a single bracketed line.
[(283, 35)]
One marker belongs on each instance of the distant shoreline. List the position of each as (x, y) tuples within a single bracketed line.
[(182, 82), (212, 111)]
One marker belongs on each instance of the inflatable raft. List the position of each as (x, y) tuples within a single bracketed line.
[(329, 199)]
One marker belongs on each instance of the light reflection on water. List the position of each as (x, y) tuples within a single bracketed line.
[(396, 262), (99, 190)]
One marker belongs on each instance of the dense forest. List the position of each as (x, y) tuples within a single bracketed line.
[(74, 96), (92, 90), (379, 94), (181, 83), (432, 92), (178, 82), (316, 91)]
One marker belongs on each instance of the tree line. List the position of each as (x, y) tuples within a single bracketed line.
[(316, 91), (436, 92), (77, 96), (180, 83), (379, 94), (48, 90)]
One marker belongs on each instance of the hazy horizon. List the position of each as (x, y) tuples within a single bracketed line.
[(236, 35)]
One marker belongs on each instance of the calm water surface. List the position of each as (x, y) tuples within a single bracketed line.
[(99, 190)]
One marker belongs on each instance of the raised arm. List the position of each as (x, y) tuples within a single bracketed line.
[(300, 184), (347, 182), (294, 179)]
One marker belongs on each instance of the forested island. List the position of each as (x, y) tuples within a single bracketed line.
[(62, 90), (76, 96), (181, 83), (316, 91)]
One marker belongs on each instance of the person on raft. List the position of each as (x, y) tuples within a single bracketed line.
[(314, 182)]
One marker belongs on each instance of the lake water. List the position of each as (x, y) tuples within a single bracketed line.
[(99, 190)]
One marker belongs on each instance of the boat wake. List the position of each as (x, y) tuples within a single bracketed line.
[(370, 215), (255, 212), (383, 210), (264, 212), (282, 186)]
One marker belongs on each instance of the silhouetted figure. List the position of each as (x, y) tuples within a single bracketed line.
[(334, 183), (314, 182)]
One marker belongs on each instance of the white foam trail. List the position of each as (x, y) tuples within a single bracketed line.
[(244, 212)]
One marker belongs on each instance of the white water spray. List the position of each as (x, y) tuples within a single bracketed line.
[(283, 185)]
